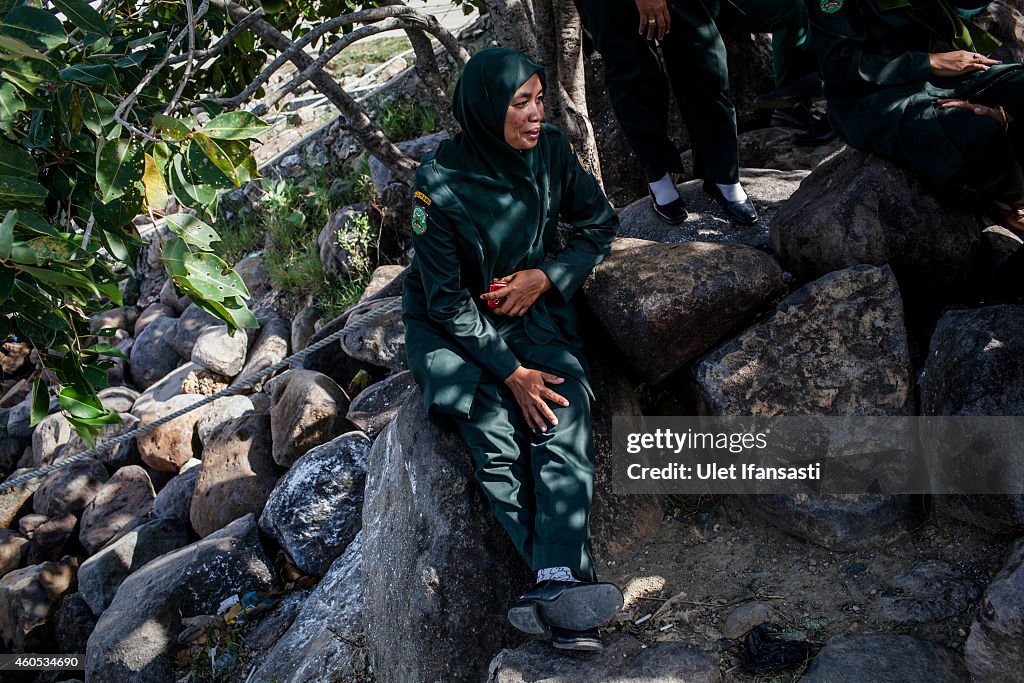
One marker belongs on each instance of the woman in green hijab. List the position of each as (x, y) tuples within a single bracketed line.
[(951, 116), (507, 366)]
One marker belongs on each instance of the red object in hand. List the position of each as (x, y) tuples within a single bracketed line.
[(494, 303)]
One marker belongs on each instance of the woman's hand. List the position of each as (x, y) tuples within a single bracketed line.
[(979, 109), (521, 289), (532, 395), (959, 62), (657, 10)]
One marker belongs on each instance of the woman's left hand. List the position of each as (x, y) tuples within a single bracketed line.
[(979, 109), (521, 289)]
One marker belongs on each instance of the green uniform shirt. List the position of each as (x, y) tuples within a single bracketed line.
[(452, 339)]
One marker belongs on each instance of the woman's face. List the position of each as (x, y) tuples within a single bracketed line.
[(524, 115)]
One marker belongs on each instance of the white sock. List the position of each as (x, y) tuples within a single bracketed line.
[(664, 190), (732, 193), (555, 574)]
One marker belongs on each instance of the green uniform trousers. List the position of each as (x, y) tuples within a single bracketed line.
[(695, 60), (539, 483)]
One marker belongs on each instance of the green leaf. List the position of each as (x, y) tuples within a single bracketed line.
[(202, 198), (204, 170), (192, 230), (62, 278), (40, 402), (16, 161), (213, 278), (23, 255), (119, 165), (7, 234), (59, 249), (91, 74), (27, 74), (15, 190), (33, 223), (235, 125), (171, 128), (18, 48), (80, 404), (6, 286), (83, 16), (217, 154), (10, 104), (231, 311), (97, 113), (96, 376), (106, 350), (153, 181), (173, 256), (38, 28)]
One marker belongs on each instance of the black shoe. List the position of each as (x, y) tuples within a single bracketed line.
[(672, 213), (581, 641), (577, 606), (741, 212), (804, 90)]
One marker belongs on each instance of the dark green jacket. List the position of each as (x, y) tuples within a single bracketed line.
[(452, 340)]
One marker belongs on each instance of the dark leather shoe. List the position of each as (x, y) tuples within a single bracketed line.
[(576, 606), (581, 641), (672, 213), (741, 212)]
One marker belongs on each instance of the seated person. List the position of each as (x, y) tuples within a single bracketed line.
[(695, 59), (506, 367), (947, 115)]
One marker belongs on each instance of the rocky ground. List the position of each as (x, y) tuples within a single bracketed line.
[(318, 527)]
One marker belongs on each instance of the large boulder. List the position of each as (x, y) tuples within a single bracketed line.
[(307, 409), (379, 341), (29, 596), (769, 190), (837, 346), (856, 208), (975, 367), (152, 355), (100, 575), (774, 148), (665, 304), (189, 326), (374, 407), (12, 500), (73, 623), (125, 498), (439, 572), (1005, 21), (237, 474), (344, 241), (309, 652), (315, 510), (52, 432), (123, 453), (271, 347), (13, 550), (219, 351), (50, 537), (625, 658), (381, 277), (218, 413), (70, 488), (995, 647), (116, 318), (190, 378), (152, 312), (169, 446), (884, 659), (175, 499), (136, 638)]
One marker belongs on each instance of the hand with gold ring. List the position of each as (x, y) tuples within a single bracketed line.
[(958, 63), (654, 18)]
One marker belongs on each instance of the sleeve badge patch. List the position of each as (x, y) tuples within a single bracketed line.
[(419, 220), (579, 157), (422, 197), (831, 6)]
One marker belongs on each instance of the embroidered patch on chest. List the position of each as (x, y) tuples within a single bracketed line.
[(419, 220), (831, 6)]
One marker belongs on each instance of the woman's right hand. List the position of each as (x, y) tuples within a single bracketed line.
[(959, 62), (532, 394)]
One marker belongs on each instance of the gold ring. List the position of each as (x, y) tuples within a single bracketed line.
[(652, 21)]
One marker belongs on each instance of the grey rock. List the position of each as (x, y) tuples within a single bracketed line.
[(11, 451), (221, 411), (135, 639), (304, 326), (625, 658), (768, 190), (375, 406), (428, 614), (29, 596), (13, 550), (884, 659), (381, 341), (187, 379), (253, 272), (665, 304), (70, 488), (18, 419), (152, 312), (237, 474), (740, 620), (774, 148), (73, 624), (307, 410), (931, 591), (100, 575), (175, 499), (995, 646), (14, 499), (49, 538), (381, 277), (974, 367), (220, 352), (120, 455), (170, 298), (265, 634), (857, 208), (308, 651), (116, 318), (29, 523), (52, 432), (153, 356), (190, 325), (169, 446), (315, 510), (394, 196), (118, 399), (127, 496), (270, 348), (13, 356), (344, 252)]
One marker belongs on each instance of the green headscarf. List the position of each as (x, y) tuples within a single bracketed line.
[(495, 183)]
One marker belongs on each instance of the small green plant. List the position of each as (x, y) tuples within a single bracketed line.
[(403, 118)]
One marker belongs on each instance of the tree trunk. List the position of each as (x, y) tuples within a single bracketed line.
[(513, 22)]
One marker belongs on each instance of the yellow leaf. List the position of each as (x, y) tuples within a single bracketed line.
[(156, 190)]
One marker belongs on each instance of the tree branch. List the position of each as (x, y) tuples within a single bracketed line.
[(209, 53)]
